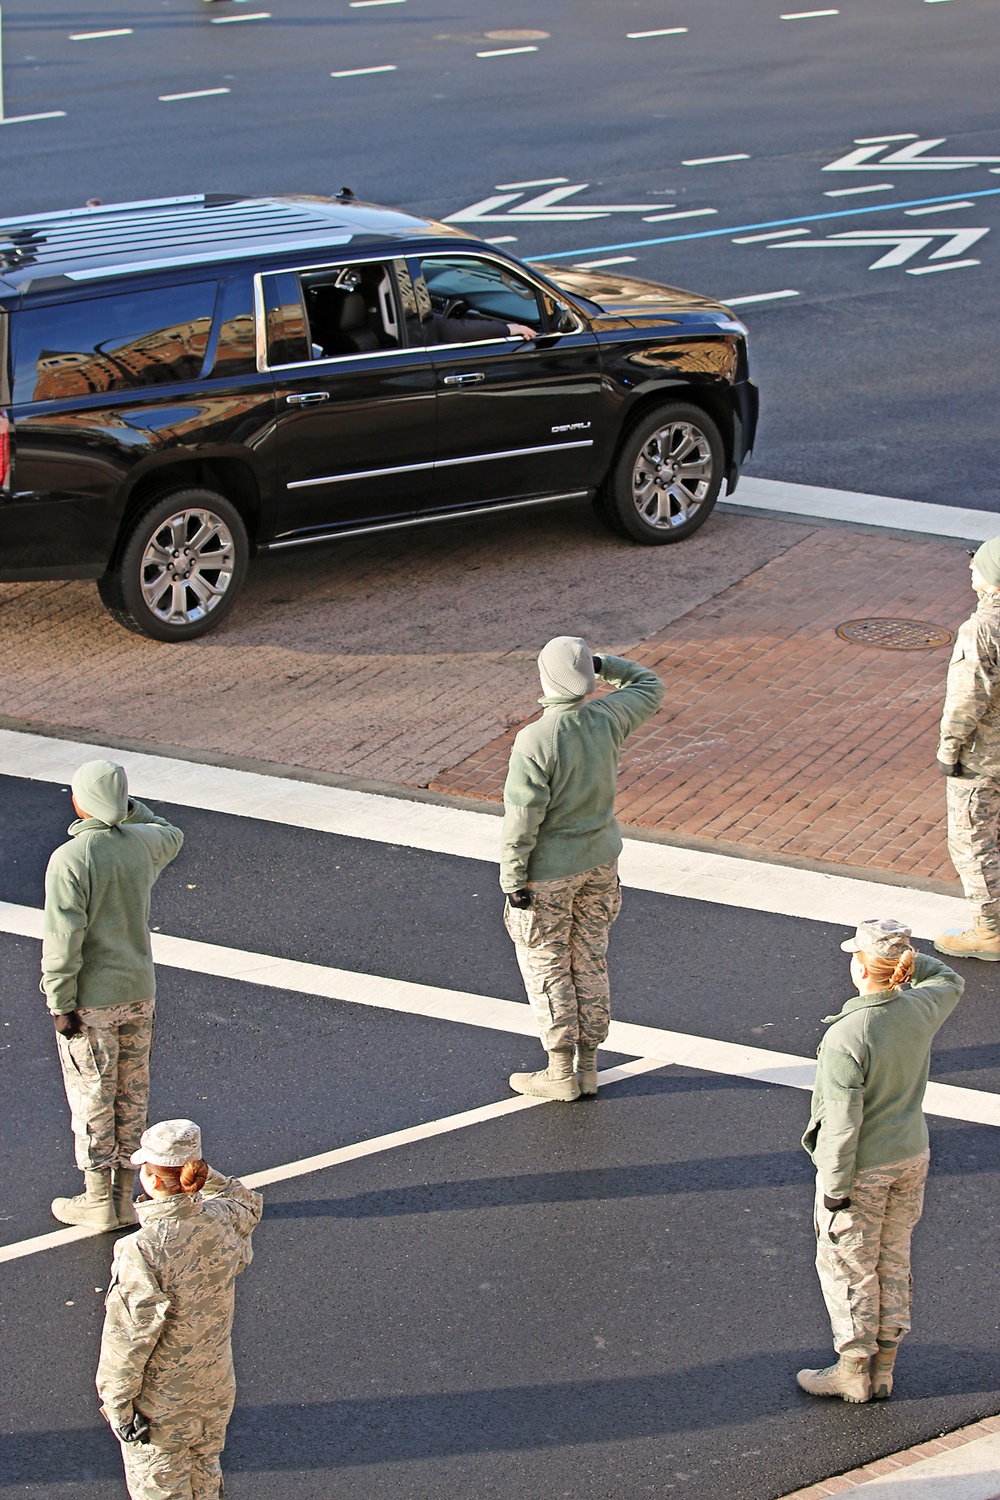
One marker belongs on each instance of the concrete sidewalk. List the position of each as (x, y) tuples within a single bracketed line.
[(962, 1465)]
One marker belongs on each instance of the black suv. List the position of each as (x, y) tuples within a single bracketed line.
[(188, 381)]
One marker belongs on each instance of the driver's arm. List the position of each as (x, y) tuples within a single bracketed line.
[(471, 330)]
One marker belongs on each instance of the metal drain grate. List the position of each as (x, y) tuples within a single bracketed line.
[(895, 635)]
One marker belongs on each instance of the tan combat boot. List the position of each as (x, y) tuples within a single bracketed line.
[(586, 1069), (881, 1370), (848, 1379), (122, 1180), (974, 942), (92, 1208), (557, 1081)]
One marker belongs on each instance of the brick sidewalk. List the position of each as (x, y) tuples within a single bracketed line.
[(776, 734)]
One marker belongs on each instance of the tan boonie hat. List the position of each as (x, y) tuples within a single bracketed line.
[(169, 1144), (881, 937)]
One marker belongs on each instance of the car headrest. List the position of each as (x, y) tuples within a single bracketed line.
[(353, 313)]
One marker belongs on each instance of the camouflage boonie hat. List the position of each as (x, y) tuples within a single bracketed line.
[(881, 937), (169, 1144)]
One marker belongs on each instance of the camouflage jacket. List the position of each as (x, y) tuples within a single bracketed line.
[(970, 724), (169, 1309)]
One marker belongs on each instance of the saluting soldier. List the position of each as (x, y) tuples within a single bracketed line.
[(98, 980), (165, 1376)]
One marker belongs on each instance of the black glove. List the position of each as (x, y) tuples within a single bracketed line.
[(834, 1205), (520, 899), (598, 664), (949, 768), (67, 1024), (136, 1431)]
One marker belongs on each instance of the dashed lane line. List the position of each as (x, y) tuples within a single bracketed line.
[(636, 36), (808, 15), (940, 208), (711, 161), (505, 51), (93, 36), (358, 72), (354, 1152), (194, 94), (596, 265), (684, 213), (852, 192), (704, 234), (49, 114), (664, 869), (257, 15), (951, 265), (758, 297), (771, 234)]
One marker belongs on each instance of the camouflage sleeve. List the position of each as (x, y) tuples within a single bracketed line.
[(526, 797), (241, 1204), (63, 931), (973, 681), (136, 1308)]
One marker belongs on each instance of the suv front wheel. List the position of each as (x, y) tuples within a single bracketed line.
[(666, 476), (179, 568)]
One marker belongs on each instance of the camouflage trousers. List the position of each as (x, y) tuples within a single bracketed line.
[(561, 941), (863, 1255), (973, 818), (187, 1469), (105, 1070)]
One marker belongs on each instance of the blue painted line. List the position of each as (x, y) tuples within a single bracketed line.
[(707, 234)]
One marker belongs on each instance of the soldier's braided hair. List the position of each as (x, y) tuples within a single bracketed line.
[(891, 972)]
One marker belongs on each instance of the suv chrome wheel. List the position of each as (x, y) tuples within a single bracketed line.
[(672, 474), (187, 566), (666, 477)]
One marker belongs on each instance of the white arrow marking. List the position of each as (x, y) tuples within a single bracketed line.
[(912, 158), (905, 243), (545, 208)]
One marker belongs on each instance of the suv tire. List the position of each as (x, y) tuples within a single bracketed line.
[(179, 567), (651, 494)]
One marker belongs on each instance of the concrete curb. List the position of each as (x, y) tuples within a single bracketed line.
[(962, 1465)]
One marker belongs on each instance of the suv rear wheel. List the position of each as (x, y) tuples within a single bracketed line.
[(666, 477), (180, 567)]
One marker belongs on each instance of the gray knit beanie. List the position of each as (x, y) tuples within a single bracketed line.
[(987, 561), (566, 668)]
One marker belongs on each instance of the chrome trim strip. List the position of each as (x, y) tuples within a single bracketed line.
[(450, 515), (440, 463), (260, 324), (339, 359)]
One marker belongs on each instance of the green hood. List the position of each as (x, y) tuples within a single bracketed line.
[(101, 789)]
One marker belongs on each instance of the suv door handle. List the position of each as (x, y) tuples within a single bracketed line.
[(465, 379), (308, 398)]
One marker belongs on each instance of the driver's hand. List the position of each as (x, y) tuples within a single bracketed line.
[(521, 331)]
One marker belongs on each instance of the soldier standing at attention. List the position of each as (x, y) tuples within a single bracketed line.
[(867, 1137), (969, 755), (559, 854), (165, 1376), (97, 976)]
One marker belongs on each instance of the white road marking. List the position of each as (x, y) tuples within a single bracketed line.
[(708, 161), (50, 114), (507, 187), (355, 1152), (938, 208), (952, 265), (503, 239), (758, 297), (904, 244), (505, 51), (751, 884), (195, 94), (685, 213), (874, 187), (547, 207), (635, 36), (916, 516), (257, 15), (880, 140), (92, 36), (808, 15), (914, 158), (772, 234), (594, 265), (364, 4), (357, 72)]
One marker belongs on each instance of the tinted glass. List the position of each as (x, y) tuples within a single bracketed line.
[(112, 343), (352, 309), (236, 349), (462, 288), (287, 342)]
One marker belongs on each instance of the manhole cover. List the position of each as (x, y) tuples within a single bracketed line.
[(518, 36), (895, 635)]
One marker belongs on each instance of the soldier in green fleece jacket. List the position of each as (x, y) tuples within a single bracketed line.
[(559, 854), (867, 1137), (98, 980)]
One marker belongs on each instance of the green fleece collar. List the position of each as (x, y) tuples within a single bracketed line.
[(862, 1002), (560, 703), (88, 825)]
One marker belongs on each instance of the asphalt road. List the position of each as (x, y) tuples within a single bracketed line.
[(877, 378), (603, 1299)]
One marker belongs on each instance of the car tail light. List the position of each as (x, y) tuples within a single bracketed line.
[(4, 450)]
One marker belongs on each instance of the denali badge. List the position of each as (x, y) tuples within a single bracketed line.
[(572, 427)]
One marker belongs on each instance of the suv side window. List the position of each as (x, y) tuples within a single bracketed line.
[(465, 291), (117, 343), (334, 312), (235, 351)]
